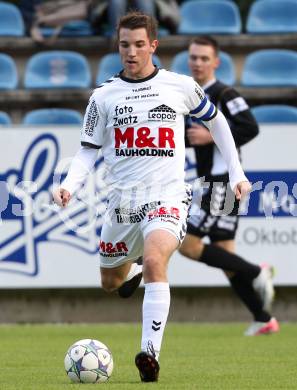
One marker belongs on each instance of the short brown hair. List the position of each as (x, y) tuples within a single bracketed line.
[(206, 40), (135, 19)]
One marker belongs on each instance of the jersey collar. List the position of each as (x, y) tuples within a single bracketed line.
[(139, 80), (208, 84)]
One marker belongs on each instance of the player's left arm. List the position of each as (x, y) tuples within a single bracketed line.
[(221, 133), (202, 109), (242, 123)]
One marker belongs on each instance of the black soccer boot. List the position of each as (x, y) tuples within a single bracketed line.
[(128, 288), (148, 365)]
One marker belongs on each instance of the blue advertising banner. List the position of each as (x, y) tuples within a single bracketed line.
[(43, 246)]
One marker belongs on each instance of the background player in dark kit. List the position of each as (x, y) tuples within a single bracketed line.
[(252, 283)]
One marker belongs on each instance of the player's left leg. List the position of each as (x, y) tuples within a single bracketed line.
[(120, 246), (158, 247)]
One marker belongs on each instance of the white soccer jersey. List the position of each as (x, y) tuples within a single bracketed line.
[(140, 126)]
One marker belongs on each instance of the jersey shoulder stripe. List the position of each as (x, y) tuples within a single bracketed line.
[(108, 81), (200, 107), (176, 77), (90, 145)]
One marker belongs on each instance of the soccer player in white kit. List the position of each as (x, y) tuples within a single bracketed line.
[(136, 118)]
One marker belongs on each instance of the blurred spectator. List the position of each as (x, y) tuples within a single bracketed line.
[(168, 14), (166, 11), (114, 10), (55, 13)]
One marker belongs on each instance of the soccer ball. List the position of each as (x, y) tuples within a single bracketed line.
[(88, 361)]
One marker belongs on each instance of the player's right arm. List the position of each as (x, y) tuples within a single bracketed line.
[(80, 167), (91, 140)]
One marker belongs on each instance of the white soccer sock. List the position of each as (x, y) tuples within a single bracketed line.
[(155, 311), (134, 270)]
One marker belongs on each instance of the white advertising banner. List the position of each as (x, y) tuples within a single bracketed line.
[(41, 247)]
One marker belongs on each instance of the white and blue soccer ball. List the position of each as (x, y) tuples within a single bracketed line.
[(88, 361)]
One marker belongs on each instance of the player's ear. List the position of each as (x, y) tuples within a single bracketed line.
[(217, 62), (154, 45)]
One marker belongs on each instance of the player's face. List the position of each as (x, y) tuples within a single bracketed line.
[(202, 62), (136, 52)]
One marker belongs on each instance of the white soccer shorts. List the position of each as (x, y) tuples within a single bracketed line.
[(123, 235)]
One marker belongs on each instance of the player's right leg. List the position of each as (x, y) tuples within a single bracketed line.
[(132, 280), (192, 247), (255, 290), (242, 275), (120, 246), (113, 278), (260, 275), (214, 256), (252, 284), (262, 328), (221, 230), (207, 218), (264, 286)]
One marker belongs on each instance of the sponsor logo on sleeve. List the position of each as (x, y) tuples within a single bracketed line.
[(199, 91), (92, 119), (237, 105)]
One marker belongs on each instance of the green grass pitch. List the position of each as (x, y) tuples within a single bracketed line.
[(194, 356)]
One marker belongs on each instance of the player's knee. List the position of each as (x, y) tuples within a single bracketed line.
[(154, 269), (108, 287), (192, 249), (229, 274), (110, 284), (184, 250)]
